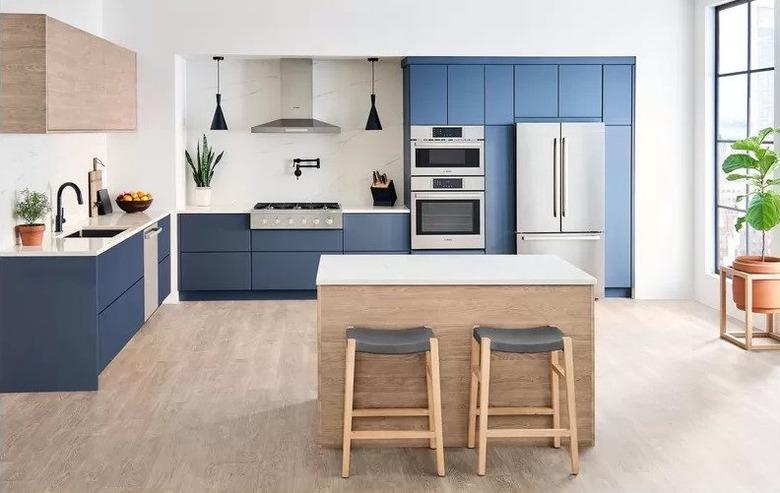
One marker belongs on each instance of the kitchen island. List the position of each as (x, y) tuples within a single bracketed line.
[(451, 294)]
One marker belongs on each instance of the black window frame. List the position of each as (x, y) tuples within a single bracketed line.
[(748, 72)]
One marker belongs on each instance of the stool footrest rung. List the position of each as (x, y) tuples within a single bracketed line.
[(381, 412), (391, 434), (519, 411), (527, 433)]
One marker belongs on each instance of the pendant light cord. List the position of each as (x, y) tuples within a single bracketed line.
[(218, 76), (372, 77)]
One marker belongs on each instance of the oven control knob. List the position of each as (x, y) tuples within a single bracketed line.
[(277, 221), (329, 221), (316, 221)]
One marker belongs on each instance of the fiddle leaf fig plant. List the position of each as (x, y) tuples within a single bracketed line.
[(756, 165)]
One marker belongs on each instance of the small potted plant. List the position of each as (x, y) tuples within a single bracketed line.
[(756, 164), (31, 207), (203, 172)]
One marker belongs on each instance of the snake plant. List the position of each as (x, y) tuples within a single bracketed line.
[(204, 171)]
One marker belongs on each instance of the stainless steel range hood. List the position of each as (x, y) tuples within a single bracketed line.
[(296, 107)]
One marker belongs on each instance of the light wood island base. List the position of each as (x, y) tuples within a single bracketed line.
[(451, 311)]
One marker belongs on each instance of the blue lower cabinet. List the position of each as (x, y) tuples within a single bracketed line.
[(163, 279), (119, 322), (500, 189), (617, 231), (164, 238), (448, 252), (119, 268), (285, 270), (48, 324), (213, 232), (376, 232), (297, 240), (215, 271)]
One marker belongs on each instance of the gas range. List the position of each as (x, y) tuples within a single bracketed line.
[(296, 215)]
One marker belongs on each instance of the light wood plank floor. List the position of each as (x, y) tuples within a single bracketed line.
[(221, 396)]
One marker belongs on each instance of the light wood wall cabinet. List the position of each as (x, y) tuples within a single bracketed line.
[(57, 78)]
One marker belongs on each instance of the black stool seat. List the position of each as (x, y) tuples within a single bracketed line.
[(531, 340), (387, 341)]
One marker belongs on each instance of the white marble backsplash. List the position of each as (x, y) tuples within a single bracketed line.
[(259, 166)]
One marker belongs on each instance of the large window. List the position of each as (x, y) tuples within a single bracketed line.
[(744, 104)]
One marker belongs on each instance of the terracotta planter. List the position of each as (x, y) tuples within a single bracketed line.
[(31, 234), (766, 294)]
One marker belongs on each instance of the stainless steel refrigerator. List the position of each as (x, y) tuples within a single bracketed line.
[(560, 193)]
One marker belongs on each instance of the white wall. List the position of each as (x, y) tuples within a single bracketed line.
[(258, 167), (658, 33), (44, 162)]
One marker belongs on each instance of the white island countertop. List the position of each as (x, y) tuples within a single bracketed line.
[(55, 245), (449, 270)]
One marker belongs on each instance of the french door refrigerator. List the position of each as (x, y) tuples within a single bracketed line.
[(560, 193)]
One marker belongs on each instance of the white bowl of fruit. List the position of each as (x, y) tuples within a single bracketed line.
[(137, 201)]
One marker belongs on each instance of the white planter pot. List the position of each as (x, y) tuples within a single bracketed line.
[(202, 196)]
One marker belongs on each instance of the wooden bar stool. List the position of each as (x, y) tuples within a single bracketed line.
[(533, 340), (406, 341)]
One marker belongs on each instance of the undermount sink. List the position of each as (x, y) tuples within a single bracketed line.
[(96, 233)]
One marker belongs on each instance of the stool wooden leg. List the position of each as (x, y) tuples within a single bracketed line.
[(484, 389), (438, 431), (428, 370), (770, 323), (748, 313), (349, 388), (555, 392), (571, 404), (473, 389)]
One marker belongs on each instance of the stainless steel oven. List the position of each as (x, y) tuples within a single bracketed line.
[(448, 212), (447, 150)]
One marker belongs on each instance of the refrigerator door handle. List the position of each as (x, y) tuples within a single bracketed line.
[(561, 237), (555, 177), (564, 176)]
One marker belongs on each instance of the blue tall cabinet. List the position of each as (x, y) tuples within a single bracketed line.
[(500, 91)]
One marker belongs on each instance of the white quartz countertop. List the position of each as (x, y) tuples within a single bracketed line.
[(449, 270), (57, 245), (244, 209)]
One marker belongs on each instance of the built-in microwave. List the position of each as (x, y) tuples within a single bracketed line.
[(447, 150), (448, 212)]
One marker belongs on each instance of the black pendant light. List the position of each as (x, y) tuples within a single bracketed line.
[(373, 122), (218, 122)]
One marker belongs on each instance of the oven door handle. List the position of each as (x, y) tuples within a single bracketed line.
[(432, 145), (448, 195)]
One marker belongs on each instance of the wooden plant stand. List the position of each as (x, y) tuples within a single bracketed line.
[(745, 339)]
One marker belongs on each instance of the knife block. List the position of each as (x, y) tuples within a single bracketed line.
[(384, 196)]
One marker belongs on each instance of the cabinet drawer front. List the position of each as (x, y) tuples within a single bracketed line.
[(291, 240), (119, 268), (214, 232), (285, 270), (163, 279), (164, 238), (119, 322), (216, 271), (384, 232)]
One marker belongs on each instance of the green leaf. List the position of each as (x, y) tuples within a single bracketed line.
[(740, 222), (737, 176), (759, 139), (740, 198), (767, 161), (763, 212), (745, 145), (739, 161), (773, 181)]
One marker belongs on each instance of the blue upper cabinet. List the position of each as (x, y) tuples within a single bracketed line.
[(465, 94), (499, 95), (428, 94), (580, 91), (617, 250), (618, 97), (536, 91)]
